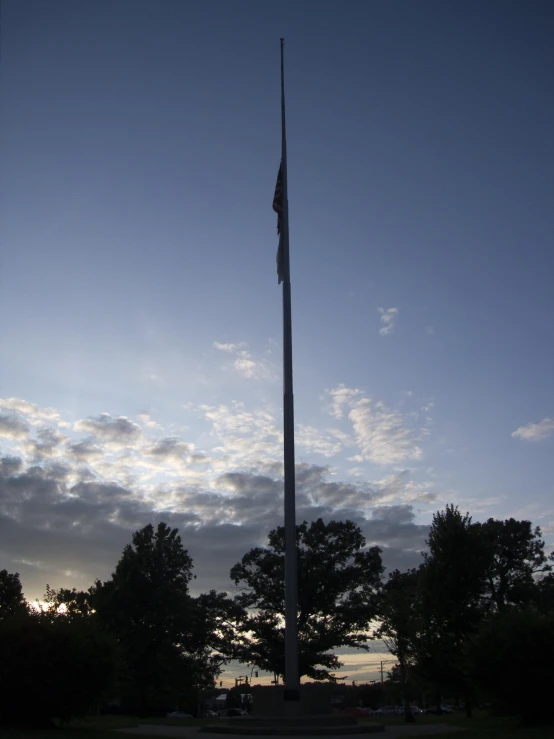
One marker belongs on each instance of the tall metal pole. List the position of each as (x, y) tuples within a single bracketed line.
[(291, 596)]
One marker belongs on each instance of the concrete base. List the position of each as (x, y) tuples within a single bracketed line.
[(285, 727), (313, 700), (275, 714)]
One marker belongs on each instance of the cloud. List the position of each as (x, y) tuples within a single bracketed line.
[(400, 487), (388, 319), (85, 451), (226, 347), (393, 526), (341, 397), (430, 330), (244, 438), (147, 421), (10, 465), (49, 443), (171, 446), (117, 432), (71, 503), (13, 427), (32, 412), (245, 363), (328, 443), (535, 431), (254, 369), (382, 435)]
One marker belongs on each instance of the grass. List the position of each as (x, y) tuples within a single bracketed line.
[(481, 726), (101, 727)]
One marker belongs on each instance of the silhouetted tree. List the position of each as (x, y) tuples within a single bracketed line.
[(452, 584), (544, 594), (511, 658), (338, 585), (400, 626), (515, 555), (52, 667), (73, 603), (12, 600), (163, 631)]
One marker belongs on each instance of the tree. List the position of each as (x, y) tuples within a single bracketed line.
[(544, 594), (338, 586), (162, 630), (12, 600), (52, 667), (399, 614), (452, 583), (515, 555), (511, 660)]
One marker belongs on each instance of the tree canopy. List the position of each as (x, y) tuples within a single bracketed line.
[(338, 586), (161, 629), (12, 600), (54, 665)]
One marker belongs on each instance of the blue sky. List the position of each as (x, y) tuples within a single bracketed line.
[(140, 143)]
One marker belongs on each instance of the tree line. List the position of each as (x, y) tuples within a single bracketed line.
[(465, 621)]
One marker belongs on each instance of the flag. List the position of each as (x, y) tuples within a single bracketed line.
[(278, 201), (278, 208)]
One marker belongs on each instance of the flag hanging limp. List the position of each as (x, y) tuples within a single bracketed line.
[(278, 208), (278, 200)]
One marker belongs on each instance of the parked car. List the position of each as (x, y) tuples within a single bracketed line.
[(386, 711), (236, 712), (414, 710), (436, 711), (210, 714), (178, 714), (357, 711)]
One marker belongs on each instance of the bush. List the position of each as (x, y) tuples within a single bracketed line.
[(52, 667)]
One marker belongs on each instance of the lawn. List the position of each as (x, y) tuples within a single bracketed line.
[(93, 728), (481, 726)]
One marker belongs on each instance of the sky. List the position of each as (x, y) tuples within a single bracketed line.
[(140, 316)]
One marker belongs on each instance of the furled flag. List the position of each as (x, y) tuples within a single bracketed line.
[(278, 208)]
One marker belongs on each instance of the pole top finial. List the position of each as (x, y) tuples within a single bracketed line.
[(282, 40)]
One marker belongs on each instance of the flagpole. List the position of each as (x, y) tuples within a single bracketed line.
[(292, 680)]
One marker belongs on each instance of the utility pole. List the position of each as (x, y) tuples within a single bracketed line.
[(384, 662)]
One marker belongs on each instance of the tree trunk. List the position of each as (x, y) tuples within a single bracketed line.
[(408, 715), (438, 699)]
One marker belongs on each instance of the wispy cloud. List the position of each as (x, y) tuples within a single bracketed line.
[(341, 398), (535, 431), (327, 442), (388, 320), (246, 363), (382, 435), (253, 369), (226, 347), (147, 421)]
